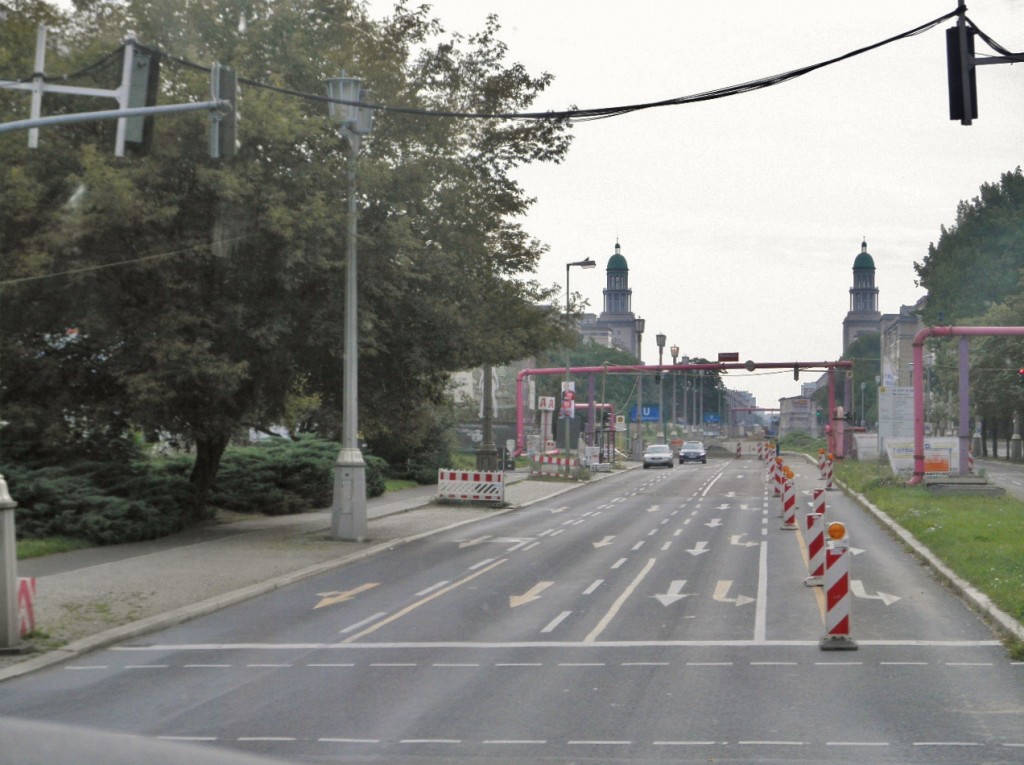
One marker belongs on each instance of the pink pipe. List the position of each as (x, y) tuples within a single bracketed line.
[(918, 379), (714, 365)]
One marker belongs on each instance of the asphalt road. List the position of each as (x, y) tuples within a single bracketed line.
[(658, 616)]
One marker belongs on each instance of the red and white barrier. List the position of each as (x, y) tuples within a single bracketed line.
[(821, 464), (562, 467), (471, 486), (970, 462), (837, 598), (815, 549), (26, 610), (780, 477), (788, 506), (828, 475)]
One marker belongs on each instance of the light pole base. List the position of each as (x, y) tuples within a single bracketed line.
[(348, 507)]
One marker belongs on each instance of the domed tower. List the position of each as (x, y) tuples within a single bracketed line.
[(617, 320), (863, 315)]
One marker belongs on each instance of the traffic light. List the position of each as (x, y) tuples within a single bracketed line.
[(817, 414), (1020, 376), (960, 71), (143, 86), (224, 125)]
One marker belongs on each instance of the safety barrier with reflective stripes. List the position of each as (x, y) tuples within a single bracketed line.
[(475, 486)]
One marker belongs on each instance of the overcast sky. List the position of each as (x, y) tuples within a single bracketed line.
[(740, 218)]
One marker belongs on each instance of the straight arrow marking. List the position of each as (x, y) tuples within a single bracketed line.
[(330, 598), (714, 523), (675, 593), (529, 596), (699, 549), (604, 542)]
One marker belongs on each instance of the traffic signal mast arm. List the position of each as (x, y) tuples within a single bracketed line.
[(719, 366)]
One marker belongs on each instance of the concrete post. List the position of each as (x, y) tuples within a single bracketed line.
[(10, 636)]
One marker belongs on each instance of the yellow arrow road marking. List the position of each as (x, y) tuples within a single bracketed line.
[(330, 598), (529, 596)]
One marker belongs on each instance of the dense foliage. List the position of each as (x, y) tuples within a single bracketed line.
[(179, 295), (973, 275)]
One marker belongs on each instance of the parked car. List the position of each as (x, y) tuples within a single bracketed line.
[(693, 451), (658, 455)]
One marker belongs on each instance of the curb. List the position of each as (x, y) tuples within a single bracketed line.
[(976, 599), (210, 605)]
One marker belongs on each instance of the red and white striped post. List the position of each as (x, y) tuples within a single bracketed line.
[(821, 463), (739, 450), (779, 476), (828, 473), (970, 462), (815, 549), (819, 501), (788, 506), (837, 592)]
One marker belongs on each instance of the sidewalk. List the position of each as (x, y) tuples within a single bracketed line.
[(92, 598)]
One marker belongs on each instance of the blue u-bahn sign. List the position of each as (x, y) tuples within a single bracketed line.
[(651, 413)]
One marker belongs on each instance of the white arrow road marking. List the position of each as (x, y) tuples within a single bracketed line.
[(737, 539), (731, 494), (654, 508), (604, 542), (714, 523), (529, 596), (857, 588), (722, 592), (699, 549), (855, 550), (675, 593), (470, 542), (723, 506), (560, 509)]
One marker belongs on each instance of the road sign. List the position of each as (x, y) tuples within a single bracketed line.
[(728, 357)]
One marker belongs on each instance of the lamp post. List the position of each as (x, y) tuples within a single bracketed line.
[(348, 505), (674, 350), (569, 395), (862, 420), (487, 452), (660, 337), (638, 445)]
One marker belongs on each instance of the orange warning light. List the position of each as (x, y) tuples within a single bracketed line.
[(836, 530)]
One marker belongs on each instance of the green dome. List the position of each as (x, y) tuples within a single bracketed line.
[(864, 260), (616, 262)]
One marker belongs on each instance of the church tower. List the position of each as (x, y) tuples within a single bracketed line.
[(863, 316)]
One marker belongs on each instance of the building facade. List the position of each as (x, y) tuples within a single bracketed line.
[(616, 324)]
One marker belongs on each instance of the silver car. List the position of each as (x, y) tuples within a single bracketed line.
[(658, 455)]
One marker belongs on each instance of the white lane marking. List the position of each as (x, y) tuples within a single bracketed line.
[(364, 622), (335, 740), (187, 738), (430, 741), (431, 588), (207, 666), (761, 606), (599, 743), (556, 621), (266, 738), (619, 562), (334, 665), (683, 743), (453, 665), (515, 741), (607, 618), (481, 564), (151, 666), (638, 545), (590, 590), (856, 743), (666, 546)]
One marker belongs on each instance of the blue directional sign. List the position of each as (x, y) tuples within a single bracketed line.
[(712, 417), (651, 413)]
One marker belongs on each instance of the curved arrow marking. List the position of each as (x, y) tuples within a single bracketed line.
[(722, 594), (737, 539), (529, 596), (857, 588)]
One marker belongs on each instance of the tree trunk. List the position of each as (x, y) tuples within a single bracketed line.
[(209, 450)]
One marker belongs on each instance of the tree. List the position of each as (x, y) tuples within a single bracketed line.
[(968, 269), (209, 293)]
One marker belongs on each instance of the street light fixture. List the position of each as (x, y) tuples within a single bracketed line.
[(568, 396), (348, 505)]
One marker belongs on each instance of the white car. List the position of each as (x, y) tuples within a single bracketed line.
[(658, 455)]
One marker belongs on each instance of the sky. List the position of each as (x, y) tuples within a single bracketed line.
[(740, 218)]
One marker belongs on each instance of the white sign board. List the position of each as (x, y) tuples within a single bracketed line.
[(896, 411)]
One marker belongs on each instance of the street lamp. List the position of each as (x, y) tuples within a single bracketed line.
[(660, 337), (568, 395), (862, 420), (348, 505), (674, 350), (638, 446)]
